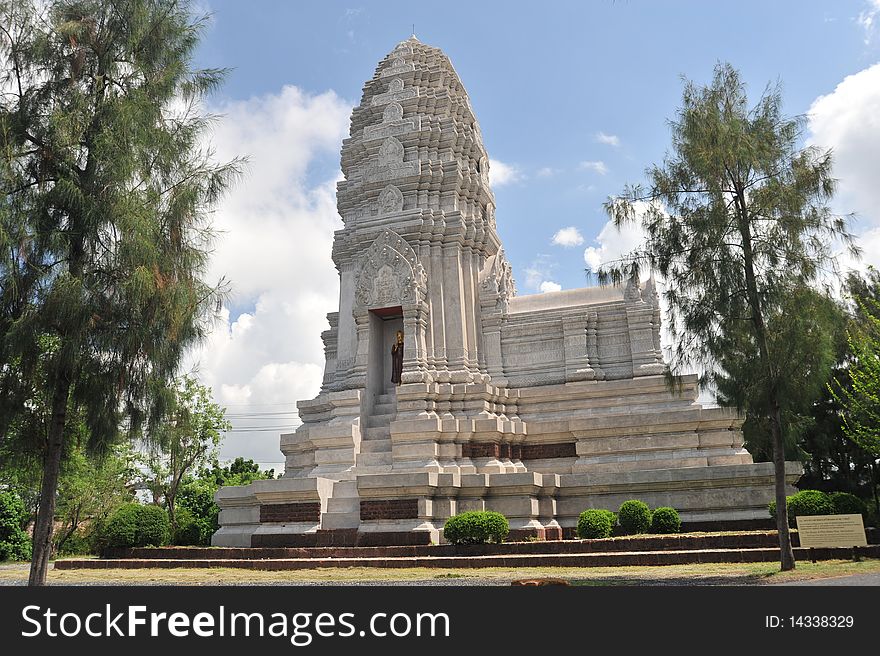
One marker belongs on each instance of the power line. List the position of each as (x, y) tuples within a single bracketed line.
[(261, 430), (259, 404), (247, 415)]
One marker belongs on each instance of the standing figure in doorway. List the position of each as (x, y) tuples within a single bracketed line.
[(397, 358)]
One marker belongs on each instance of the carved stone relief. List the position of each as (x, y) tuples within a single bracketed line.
[(390, 152), (390, 200), (393, 112)]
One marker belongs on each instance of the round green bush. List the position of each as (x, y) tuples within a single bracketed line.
[(476, 527), (848, 504), (15, 544), (808, 502), (634, 517), (134, 525), (665, 520), (595, 523)]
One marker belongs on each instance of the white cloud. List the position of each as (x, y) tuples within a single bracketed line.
[(608, 139), (868, 19), (550, 286), (276, 234), (847, 120), (539, 274), (614, 243), (546, 172), (501, 174), (597, 167), (569, 236)]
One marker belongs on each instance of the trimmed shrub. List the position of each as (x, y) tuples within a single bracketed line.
[(15, 544), (595, 523), (134, 525), (809, 502), (634, 517), (848, 504), (665, 520), (804, 503), (476, 527)]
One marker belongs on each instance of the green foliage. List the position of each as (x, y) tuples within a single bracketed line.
[(197, 498), (805, 502), (136, 525), (240, 471), (187, 440), (634, 517), (78, 543), (188, 530), (14, 542), (848, 504), (832, 461), (858, 391), (476, 527), (595, 523), (196, 494), (665, 520), (90, 489), (809, 502)]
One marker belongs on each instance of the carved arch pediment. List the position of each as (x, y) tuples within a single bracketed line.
[(390, 274)]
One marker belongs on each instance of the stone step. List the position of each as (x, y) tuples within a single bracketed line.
[(383, 409), (377, 433), (378, 420), (376, 446), (336, 520), (344, 505), (374, 459), (345, 489)]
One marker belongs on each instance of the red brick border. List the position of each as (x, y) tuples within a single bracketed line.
[(518, 451), (541, 451), (291, 512), (390, 509)]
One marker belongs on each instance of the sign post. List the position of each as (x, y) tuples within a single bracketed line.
[(832, 531)]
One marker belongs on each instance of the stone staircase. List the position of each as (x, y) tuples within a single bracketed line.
[(344, 506), (376, 436)]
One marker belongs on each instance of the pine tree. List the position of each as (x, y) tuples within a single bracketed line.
[(105, 226), (738, 225)]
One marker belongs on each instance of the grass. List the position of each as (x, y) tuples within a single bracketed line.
[(696, 574)]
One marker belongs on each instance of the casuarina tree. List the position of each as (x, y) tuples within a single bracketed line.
[(105, 221), (737, 223)]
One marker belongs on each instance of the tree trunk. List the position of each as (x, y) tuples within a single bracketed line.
[(874, 483), (786, 554), (43, 526)]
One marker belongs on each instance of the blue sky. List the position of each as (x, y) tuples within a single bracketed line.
[(572, 98)]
